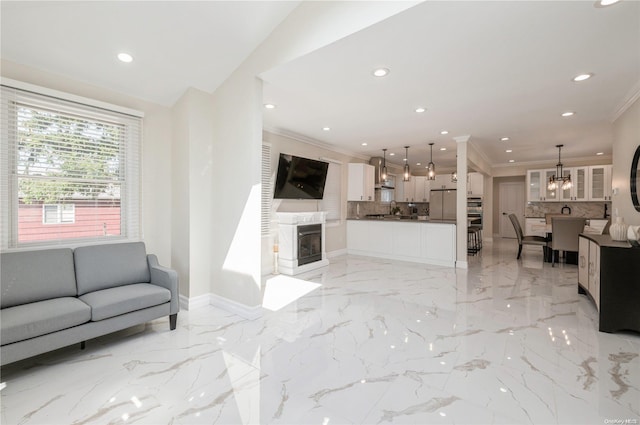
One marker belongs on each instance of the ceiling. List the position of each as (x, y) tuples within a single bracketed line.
[(485, 69), (175, 44), (480, 68)]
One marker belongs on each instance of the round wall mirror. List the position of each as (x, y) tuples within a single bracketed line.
[(635, 179)]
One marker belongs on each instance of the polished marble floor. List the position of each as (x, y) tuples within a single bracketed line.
[(379, 342)]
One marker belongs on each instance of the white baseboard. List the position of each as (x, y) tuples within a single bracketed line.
[(194, 302), (248, 312), (462, 265), (337, 253)]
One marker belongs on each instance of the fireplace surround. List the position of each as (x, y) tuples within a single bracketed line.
[(301, 240)]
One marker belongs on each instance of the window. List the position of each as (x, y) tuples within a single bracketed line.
[(70, 171), (57, 214)]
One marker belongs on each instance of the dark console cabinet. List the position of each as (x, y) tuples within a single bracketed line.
[(609, 272)]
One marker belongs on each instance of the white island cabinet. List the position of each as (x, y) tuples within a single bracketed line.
[(417, 241)]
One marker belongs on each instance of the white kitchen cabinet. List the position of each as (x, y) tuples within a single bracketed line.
[(443, 181), (361, 182), (579, 185), (408, 190), (534, 185), (475, 184), (535, 227), (422, 189), (399, 189), (417, 241), (600, 182), (538, 186)]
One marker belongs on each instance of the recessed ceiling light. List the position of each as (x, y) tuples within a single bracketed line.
[(605, 3), (392, 154), (381, 72), (512, 160), (504, 139), (269, 105), (443, 149), (326, 128), (420, 110), (582, 77), (364, 143), (509, 150), (417, 163), (600, 153), (444, 132), (568, 114), (125, 57)]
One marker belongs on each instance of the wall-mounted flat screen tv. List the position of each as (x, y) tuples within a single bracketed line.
[(300, 178)]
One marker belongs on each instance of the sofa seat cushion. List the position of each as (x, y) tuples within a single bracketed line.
[(124, 299), (40, 318)]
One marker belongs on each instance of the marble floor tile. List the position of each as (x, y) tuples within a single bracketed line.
[(377, 342)]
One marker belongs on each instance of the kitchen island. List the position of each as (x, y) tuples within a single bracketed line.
[(420, 241)]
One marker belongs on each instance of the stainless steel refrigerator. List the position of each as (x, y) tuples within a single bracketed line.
[(442, 204)]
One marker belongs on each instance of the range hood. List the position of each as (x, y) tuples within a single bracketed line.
[(377, 162)]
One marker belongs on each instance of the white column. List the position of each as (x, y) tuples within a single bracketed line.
[(461, 204)]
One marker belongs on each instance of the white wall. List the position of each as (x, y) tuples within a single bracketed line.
[(335, 233), (626, 139), (193, 162), (237, 138), (156, 156)]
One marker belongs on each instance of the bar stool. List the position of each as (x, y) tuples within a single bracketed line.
[(478, 235), (472, 241)]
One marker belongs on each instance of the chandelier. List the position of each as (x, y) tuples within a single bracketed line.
[(559, 179)]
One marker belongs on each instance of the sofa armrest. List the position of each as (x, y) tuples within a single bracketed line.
[(167, 278)]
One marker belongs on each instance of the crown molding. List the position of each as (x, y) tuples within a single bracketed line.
[(630, 99), (567, 162), (317, 143)]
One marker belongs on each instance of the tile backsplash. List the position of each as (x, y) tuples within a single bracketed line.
[(578, 209), (378, 207)]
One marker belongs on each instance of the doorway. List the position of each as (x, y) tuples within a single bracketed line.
[(511, 202)]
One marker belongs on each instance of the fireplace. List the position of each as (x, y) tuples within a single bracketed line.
[(301, 238), (309, 243)]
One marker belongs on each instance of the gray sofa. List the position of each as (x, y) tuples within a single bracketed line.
[(53, 298)]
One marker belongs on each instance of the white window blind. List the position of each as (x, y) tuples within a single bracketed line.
[(266, 195), (65, 159), (331, 201)]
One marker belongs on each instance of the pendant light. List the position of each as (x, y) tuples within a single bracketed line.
[(431, 168), (407, 175), (559, 179), (384, 165)]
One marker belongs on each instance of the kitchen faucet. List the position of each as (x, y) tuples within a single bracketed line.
[(392, 206)]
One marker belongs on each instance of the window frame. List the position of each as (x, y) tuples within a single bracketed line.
[(17, 92)]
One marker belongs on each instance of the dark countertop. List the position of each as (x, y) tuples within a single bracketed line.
[(606, 241), (401, 219)]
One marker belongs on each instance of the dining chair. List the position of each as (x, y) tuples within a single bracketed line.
[(564, 234), (525, 240)]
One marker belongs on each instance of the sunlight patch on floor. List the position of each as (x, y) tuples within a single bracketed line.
[(283, 290)]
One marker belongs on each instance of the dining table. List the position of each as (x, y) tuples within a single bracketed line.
[(572, 257)]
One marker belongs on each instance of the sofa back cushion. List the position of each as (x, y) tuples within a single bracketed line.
[(31, 276), (106, 266)]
